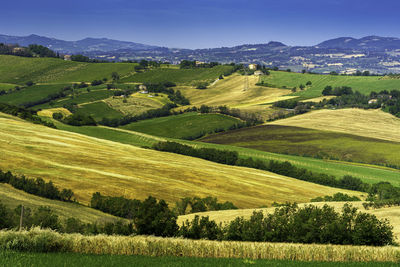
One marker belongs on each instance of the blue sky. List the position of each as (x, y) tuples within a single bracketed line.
[(202, 23)]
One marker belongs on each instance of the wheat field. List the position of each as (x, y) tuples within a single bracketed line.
[(369, 123), (87, 165)]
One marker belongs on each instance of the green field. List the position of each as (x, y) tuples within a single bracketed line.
[(19, 259), (6, 86), (19, 70), (181, 76), (99, 110), (33, 93), (314, 143), (358, 83), (183, 126)]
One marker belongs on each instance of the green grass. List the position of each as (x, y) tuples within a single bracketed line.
[(181, 76), (314, 143), (359, 83), (20, 259), (32, 93), (19, 70), (6, 86), (99, 110), (368, 173), (183, 126)]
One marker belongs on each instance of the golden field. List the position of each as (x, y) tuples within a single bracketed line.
[(41, 240), (87, 165), (369, 123)]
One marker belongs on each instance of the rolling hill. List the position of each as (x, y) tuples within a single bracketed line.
[(88, 165)]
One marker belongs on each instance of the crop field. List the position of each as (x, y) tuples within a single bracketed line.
[(45, 240), (368, 173), (87, 165), (368, 123), (32, 93), (99, 110), (9, 258), (180, 76), (225, 216), (137, 103), (18, 70), (183, 126), (7, 86), (12, 197), (231, 92), (49, 112), (362, 84), (315, 143)]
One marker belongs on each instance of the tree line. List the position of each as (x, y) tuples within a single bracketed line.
[(25, 114), (37, 187)]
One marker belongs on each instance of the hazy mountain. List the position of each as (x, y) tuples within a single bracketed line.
[(85, 45), (366, 43)]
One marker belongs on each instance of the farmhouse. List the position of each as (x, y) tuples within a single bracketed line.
[(258, 73), (252, 66), (372, 101), (67, 57)]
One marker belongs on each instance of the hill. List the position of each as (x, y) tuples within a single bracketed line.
[(315, 143), (368, 123), (87, 165), (12, 197), (184, 126), (363, 84)]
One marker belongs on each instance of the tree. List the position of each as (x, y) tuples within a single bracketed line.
[(115, 76), (309, 83), (45, 218), (301, 86)]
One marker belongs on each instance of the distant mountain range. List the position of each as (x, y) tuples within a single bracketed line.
[(344, 54)]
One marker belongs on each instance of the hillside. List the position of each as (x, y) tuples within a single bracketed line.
[(12, 197), (309, 142), (87, 165), (224, 216), (363, 84), (368, 123)]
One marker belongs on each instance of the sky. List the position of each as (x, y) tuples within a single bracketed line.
[(202, 23)]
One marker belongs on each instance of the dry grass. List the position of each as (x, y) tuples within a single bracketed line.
[(319, 99), (230, 91), (40, 240), (87, 165), (49, 112), (12, 197), (368, 123), (225, 216)]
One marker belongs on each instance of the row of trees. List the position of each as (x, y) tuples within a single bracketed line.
[(25, 114), (36, 187), (283, 168), (32, 50)]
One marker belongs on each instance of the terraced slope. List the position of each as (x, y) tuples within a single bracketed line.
[(369, 123), (87, 165)]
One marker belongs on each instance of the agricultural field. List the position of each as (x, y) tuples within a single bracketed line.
[(12, 197), (247, 252), (98, 110), (312, 143), (78, 260), (19, 70), (87, 165), (363, 84), (183, 126), (137, 103), (225, 216), (7, 86), (179, 76), (368, 123)]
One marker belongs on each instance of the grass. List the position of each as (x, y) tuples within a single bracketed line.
[(368, 123), (99, 110), (137, 103), (12, 197), (181, 76), (30, 94), (184, 125), (20, 259), (314, 143), (6, 86), (19, 70), (368, 173), (359, 83), (87, 165), (47, 241)]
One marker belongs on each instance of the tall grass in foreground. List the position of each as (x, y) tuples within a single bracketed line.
[(37, 240)]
